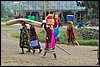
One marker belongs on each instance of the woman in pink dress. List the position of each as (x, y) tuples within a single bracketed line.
[(50, 40)]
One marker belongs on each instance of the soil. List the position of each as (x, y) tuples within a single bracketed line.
[(80, 55)]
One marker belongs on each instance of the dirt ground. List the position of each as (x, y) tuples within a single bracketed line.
[(80, 55)]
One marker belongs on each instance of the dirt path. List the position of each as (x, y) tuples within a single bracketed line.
[(80, 55)]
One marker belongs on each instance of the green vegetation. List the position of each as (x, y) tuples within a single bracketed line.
[(5, 19), (42, 35), (16, 34), (63, 38), (91, 42), (4, 27), (93, 6), (5, 12)]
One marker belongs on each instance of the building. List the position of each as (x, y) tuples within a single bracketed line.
[(36, 8)]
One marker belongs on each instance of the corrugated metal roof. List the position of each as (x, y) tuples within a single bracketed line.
[(39, 5)]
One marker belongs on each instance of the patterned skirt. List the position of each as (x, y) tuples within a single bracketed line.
[(49, 49), (24, 42)]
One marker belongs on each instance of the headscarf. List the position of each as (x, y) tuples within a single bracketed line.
[(50, 20), (68, 27)]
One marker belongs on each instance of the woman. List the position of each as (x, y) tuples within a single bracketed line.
[(70, 33), (50, 40), (24, 41), (57, 28), (34, 40)]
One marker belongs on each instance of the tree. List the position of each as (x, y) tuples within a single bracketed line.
[(3, 11), (92, 6), (9, 13)]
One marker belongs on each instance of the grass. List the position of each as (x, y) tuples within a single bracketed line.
[(16, 34), (5, 19), (4, 27), (63, 38), (91, 42)]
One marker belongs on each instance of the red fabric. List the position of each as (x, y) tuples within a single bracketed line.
[(55, 22), (59, 20), (50, 16), (50, 20)]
